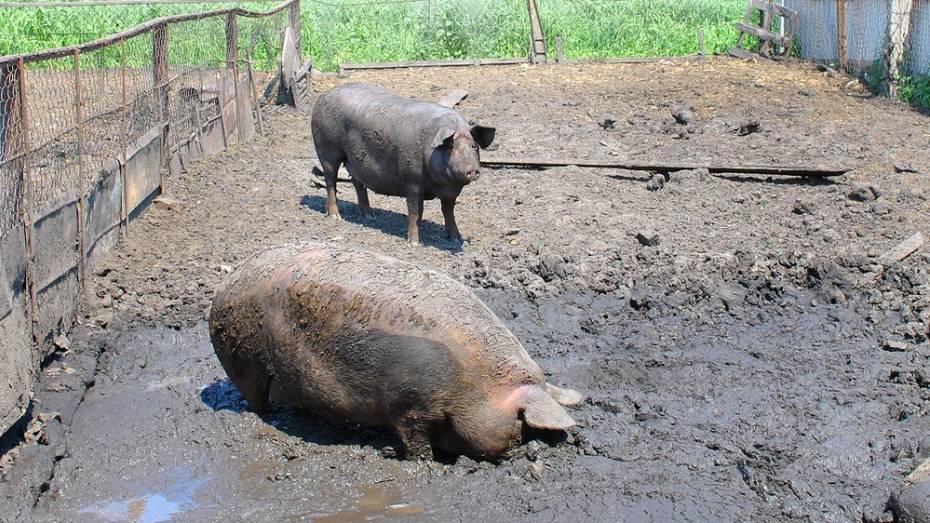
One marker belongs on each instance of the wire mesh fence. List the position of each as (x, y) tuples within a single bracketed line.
[(887, 42), (90, 134)]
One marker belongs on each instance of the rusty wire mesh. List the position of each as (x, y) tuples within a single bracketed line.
[(66, 113)]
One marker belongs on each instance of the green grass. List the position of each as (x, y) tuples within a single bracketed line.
[(412, 31)]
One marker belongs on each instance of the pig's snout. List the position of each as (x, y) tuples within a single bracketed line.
[(473, 175)]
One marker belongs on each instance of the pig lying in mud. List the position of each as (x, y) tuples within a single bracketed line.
[(368, 338), (398, 147)]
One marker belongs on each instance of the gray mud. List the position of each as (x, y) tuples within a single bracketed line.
[(744, 356)]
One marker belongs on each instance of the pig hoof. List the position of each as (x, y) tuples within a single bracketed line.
[(334, 217)]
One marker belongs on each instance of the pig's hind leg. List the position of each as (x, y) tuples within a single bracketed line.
[(330, 165), (364, 206)]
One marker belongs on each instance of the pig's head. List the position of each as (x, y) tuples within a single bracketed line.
[(454, 156), (493, 426)]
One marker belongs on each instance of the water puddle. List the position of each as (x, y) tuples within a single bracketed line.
[(375, 502), (153, 507)]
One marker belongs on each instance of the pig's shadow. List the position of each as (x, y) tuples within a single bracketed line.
[(223, 395), (432, 234)]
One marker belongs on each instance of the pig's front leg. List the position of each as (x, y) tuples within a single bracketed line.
[(415, 439), (414, 211), (448, 212)]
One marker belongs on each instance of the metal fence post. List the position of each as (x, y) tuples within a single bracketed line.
[(79, 124), (160, 78), (26, 200)]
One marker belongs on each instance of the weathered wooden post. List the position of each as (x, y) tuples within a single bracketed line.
[(25, 197), (232, 65), (293, 21), (537, 37), (160, 79), (899, 33), (841, 33), (79, 126)]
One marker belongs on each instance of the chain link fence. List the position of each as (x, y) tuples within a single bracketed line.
[(887, 42), (90, 134)]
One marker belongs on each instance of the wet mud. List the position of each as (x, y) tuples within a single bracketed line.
[(745, 354)]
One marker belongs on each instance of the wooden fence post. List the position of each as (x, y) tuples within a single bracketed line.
[(899, 33), (293, 21), (232, 65), (160, 79), (25, 200), (537, 37), (841, 33), (79, 125)]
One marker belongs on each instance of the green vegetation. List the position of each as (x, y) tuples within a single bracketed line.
[(433, 29), (342, 31), (915, 91), (599, 29)]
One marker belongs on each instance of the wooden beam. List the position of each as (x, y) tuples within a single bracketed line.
[(431, 63), (777, 170), (903, 250), (804, 171)]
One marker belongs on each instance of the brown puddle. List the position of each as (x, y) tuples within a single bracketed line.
[(375, 501)]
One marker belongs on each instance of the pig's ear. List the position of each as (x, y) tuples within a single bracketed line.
[(540, 411), (443, 138), (567, 397), (483, 135)]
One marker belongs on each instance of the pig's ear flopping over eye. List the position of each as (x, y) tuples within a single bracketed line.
[(443, 138), (483, 135), (540, 411)]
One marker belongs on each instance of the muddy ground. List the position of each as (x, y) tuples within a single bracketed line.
[(744, 355)]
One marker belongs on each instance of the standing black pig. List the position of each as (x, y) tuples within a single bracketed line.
[(398, 147), (366, 337)]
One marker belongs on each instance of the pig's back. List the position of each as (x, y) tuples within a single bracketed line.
[(330, 297)]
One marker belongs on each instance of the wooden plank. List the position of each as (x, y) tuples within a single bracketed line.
[(742, 54), (453, 98), (431, 63), (903, 250), (769, 170), (777, 170), (758, 32)]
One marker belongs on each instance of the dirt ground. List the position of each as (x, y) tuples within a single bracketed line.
[(744, 356)]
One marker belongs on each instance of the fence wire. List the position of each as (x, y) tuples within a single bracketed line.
[(864, 44), (65, 114)]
